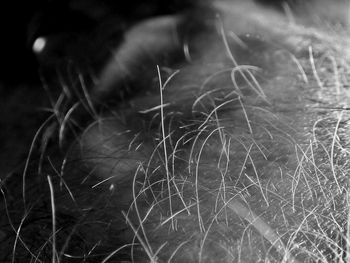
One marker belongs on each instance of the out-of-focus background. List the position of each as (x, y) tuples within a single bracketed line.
[(22, 21), (84, 30), (69, 27)]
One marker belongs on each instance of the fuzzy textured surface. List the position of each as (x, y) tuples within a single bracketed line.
[(232, 145)]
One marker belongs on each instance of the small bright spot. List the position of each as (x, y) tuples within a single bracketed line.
[(39, 45), (112, 187)]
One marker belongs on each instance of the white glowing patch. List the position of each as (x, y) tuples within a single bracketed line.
[(39, 45)]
